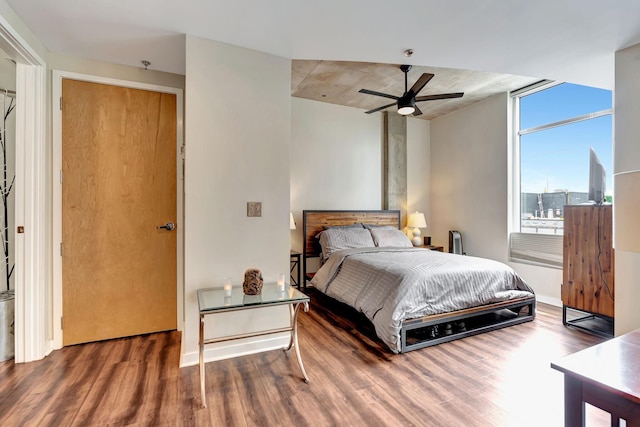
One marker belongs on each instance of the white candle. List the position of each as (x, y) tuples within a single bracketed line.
[(280, 282), (227, 288)]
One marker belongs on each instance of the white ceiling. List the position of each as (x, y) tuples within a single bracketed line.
[(569, 40)]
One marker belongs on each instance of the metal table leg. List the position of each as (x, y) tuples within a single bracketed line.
[(294, 337), (203, 398)]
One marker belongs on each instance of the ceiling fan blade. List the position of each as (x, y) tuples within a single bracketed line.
[(421, 82), (380, 108), (417, 112), (441, 96), (373, 92)]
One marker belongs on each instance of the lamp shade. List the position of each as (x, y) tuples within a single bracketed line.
[(292, 223), (416, 220)]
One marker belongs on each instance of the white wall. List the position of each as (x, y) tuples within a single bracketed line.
[(418, 171), (336, 161), (546, 282), (237, 137), (469, 188), (114, 71), (469, 177), (626, 161)]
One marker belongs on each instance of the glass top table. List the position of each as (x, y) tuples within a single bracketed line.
[(219, 300)]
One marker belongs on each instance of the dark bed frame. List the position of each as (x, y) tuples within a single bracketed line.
[(428, 330)]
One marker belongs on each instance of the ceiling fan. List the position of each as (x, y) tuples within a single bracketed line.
[(407, 102)]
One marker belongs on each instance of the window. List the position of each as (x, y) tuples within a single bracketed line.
[(555, 125)]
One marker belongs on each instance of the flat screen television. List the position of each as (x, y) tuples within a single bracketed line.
[(597, 179)]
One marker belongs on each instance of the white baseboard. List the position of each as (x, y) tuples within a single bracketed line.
[(548, 300), (229, 350)]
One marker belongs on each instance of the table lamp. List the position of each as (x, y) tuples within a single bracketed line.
[(416, 221)]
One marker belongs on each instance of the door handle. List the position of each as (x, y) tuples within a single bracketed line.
[(170, 226)]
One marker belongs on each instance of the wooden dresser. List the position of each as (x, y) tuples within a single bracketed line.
[(588, 264)]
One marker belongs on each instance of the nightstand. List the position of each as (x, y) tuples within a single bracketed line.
[(431, 247), (295, 264)]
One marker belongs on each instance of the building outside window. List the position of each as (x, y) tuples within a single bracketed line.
[(555, 126)]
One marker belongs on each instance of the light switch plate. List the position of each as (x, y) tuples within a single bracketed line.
[(254, 208)]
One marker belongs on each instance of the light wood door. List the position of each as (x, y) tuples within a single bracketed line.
[(119, 185)]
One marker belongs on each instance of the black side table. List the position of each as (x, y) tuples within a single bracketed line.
[(295, 264)]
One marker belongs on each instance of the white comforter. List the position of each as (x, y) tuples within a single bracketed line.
[(390, 285)]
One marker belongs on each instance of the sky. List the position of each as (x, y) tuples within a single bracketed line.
[(558, 158)]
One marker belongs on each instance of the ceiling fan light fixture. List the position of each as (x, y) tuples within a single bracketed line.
[(405, 111), (406, 105)]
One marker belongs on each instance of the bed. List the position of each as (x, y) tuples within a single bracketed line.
[(414, 297)]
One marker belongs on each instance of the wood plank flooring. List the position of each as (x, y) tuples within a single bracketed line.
[(500, 378)]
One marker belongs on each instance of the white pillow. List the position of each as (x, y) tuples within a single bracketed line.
[(387, 237), (336, 239)]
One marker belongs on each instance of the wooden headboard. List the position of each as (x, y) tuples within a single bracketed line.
[(313, 222)]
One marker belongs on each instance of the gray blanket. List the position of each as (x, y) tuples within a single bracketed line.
[(390, 285)]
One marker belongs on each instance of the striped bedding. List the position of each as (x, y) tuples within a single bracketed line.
[(390, 285)]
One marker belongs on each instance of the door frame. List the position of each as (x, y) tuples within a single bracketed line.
[(32, 267), (58, 75)]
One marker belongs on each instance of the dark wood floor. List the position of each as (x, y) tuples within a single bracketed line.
[(501, 378)]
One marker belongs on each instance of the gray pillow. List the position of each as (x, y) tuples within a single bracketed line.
[(328, 227), (337, 238), (379, 227), (385, 237)]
